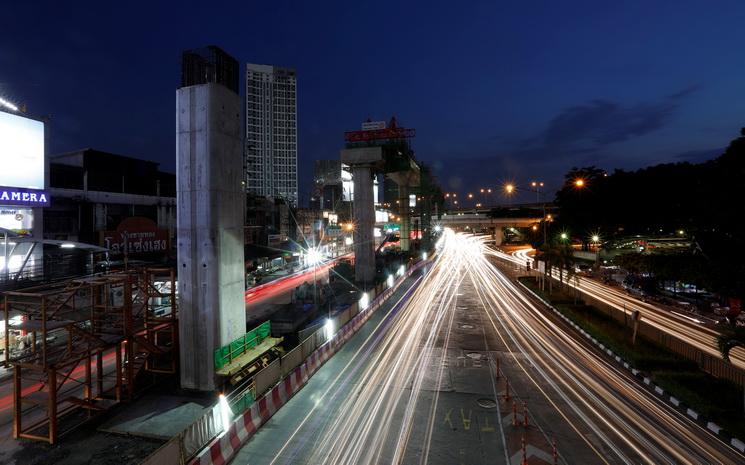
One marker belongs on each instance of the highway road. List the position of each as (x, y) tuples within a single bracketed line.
[(418, 384), (687, 328), (261, 300)]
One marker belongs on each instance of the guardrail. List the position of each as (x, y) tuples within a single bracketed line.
[(273, 386)]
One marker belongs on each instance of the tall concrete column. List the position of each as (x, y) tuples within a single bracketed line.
[(210, 210), (363, 161), (403, 202), (498, 235), (364, 220)]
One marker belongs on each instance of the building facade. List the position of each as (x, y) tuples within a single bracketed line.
[(121, 203), (271, 132)]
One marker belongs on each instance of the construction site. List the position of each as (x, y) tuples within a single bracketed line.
[(79, 347)]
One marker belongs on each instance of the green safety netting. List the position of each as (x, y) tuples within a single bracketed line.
[(243, 403), (249, 340)]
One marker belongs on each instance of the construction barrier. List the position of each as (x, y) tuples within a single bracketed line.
[(225, 446), (194, 436), (267, 377), (225, 354), (291, 360)]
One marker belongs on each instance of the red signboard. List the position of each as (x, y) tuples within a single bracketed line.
[(378, 134), (136, 235)]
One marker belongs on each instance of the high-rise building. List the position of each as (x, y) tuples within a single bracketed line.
[(271, 132)]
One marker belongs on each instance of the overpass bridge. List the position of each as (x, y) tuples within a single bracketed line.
[(480, 221)]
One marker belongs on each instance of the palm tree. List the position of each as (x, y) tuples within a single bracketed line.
[(730, 339), (559, 256)]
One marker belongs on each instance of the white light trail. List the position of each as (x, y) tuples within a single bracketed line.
[(379, 401), (688, 329)]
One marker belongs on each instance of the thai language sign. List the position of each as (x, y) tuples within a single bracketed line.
[(136, 235)]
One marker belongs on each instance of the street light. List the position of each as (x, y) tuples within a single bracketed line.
[(509, 188), (564, 236), (8, 105), (579, 182)]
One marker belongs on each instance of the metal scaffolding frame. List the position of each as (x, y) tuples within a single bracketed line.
[(80, 325)]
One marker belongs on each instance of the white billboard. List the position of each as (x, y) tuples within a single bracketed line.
[(21, 152), (18, 220)]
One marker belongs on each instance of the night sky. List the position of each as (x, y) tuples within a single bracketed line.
[(496, 91)]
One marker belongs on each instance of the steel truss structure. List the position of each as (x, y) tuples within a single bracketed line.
[(70, 333)]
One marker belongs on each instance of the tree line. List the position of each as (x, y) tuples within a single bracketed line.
[(702, 201)]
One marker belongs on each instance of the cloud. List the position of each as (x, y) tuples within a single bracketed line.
[(599, 123)]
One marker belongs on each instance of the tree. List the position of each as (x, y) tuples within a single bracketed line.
[(560, 256), (701, 199)]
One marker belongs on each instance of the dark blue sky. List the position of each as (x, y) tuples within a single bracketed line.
[(496, 90)]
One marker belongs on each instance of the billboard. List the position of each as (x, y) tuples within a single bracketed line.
[(21, 152), (18, 220), (136, 235)]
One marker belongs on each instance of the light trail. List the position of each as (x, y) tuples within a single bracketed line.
[(369, 412), (657, 433), (683, 327), (638, 420), (392, 381)]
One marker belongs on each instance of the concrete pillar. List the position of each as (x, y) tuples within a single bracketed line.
[(498, 235), (403, 203), (210, 210), (364, 161), (99, 216), (364, 220)]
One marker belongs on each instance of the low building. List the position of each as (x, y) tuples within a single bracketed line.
[(124, 204)]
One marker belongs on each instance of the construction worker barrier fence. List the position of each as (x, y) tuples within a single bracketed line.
[(227, 353), (278, 382)]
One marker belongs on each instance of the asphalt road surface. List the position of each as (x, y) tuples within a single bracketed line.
[(461, 367)]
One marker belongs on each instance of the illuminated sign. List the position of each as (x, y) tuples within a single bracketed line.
[(21, 152), (18, 220), (26, 197), (381, 216)]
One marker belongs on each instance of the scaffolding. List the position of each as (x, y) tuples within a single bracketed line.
[(62, 340)]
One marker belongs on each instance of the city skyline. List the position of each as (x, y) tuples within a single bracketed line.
[(520, 92)]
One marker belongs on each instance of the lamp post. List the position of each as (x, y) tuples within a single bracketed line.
[(510, 188), (595, 242)]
